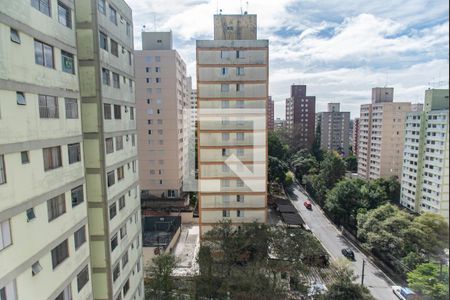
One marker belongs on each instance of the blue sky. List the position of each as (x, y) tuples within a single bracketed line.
[(339, 48)]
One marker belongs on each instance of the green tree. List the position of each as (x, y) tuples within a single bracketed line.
[(391, 187), (317, 152), (332, 169), (289, 178), (435, 233), (373, 194), (277, 170), (276, 147), (351, 163), (429, 280), (344, 287), (161, 281), (303, 163), (315, 186)]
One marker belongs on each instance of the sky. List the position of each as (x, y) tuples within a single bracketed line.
[(339, 48)]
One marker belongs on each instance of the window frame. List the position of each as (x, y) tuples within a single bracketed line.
[(77, 194), (111, 180), (79, 237), (60, 253), (14, 36), (41, 54), (67, 15), (67, 57), (38, 5), (71, 106), (54, 156), (56, 207), (77, 147), (45, 110), (84, 275)]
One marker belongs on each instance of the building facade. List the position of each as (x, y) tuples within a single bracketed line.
[(270, 114), (301, 117), (44, 249), (232, 91), (108, 111), (162, 96), (334, 128), (193, 111), (381, 135), (355, 136), (425, 175)]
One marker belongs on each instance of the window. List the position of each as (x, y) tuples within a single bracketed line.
[(224, 88), (114, 48), (102, 7), (107, 111), (103, 41), (30, 214), (123, 231), (82, 278), (79, 237), (114, 242), (52, 158), (56, 207), (126, 287), (43, 6), (239, 183), (20, 98), (112, 15), (117, 112), (109, 145), (112, 210), (133, 140), (239, 87), (74, 153), (224, 71), (48, 107), (119, 143), (240, 136), (129, 62), (60, 253), (77, 195), (24, 157), (158, 69), (43, 54), (35, 269), (14, 36), (225, 152), (239, 198), (67, 61), (5, 235), (111, 178), (125, 259), (225, 136), (71, 108), (128, 29), (120, 173), (64, 15), (240, 54), (240, 71), (116, 80), (131, 113), (121, 202), (105, 77), (158, 80), (66, 294), (225, 213), (116, 272), (239, 213)]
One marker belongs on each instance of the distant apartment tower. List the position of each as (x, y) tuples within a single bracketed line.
[(381, 135), (301, 117), (270, 114), (425, 177), (162, 102), (232, 91), (108, 111), (44, 248), (334, 129), (193, 111), (355, 136), (279, 124)]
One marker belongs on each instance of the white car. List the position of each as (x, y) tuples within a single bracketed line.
[(403, 293), (317, 289)]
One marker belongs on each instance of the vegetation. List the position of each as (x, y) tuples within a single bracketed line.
[(161, 283), (430, 280), (351, 163)]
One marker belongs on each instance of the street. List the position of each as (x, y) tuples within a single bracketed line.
[(330, 237)]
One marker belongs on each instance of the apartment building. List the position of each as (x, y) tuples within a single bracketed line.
[(381, 135), (425, 176), (270, 114), (232, 91), (301, 117), (334, 129), (163, 99), (108, 111), (44, 249), (355, 136)]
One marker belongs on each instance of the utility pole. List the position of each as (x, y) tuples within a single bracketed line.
[(362, 275)]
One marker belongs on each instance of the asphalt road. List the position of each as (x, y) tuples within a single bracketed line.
[(330, 237)]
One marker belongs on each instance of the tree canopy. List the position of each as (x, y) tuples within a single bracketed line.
[(429, 280)]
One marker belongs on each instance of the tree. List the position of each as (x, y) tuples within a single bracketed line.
[(391, 187), (435, 233), (332, 169), (161, 281), (373, 194), (315, 186), (317, 152), (276, 147), (289, 178), (351, 163), (277, 170), (344, 287), (303, 163), (429, 280)]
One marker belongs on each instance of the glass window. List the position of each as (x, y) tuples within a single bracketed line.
[(52, 158), (14, 35), (80, 237), (60, 253), (43, 54), (116, 80), (128, 29), (116, 270), (56, 207), (105, 77), (5, 234), (109, 145), (83, 278), (112, 15), (114, 48), (120, 173), (48, 107), (71, 108), (107, 111), (111, 178), (74, 153), (64, 15), (119, 143), (30, 214), (42, 5), (77, 195), (35, 269), (121, 202), (24, 157), (114, 242), (2, 170), (68, 63), (117, 112), (21, 98), (103, 41), (112, 210)]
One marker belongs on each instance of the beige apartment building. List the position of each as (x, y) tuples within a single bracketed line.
[(108, 111), (44, 248), (162, 98), (381, 135), (334, 129), (232, 91)]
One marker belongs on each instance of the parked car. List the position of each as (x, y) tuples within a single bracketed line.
[(404, 293), (307, 204), (347, 252)]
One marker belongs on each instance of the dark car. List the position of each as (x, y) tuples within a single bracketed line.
[(307, 204), (347, 252)]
